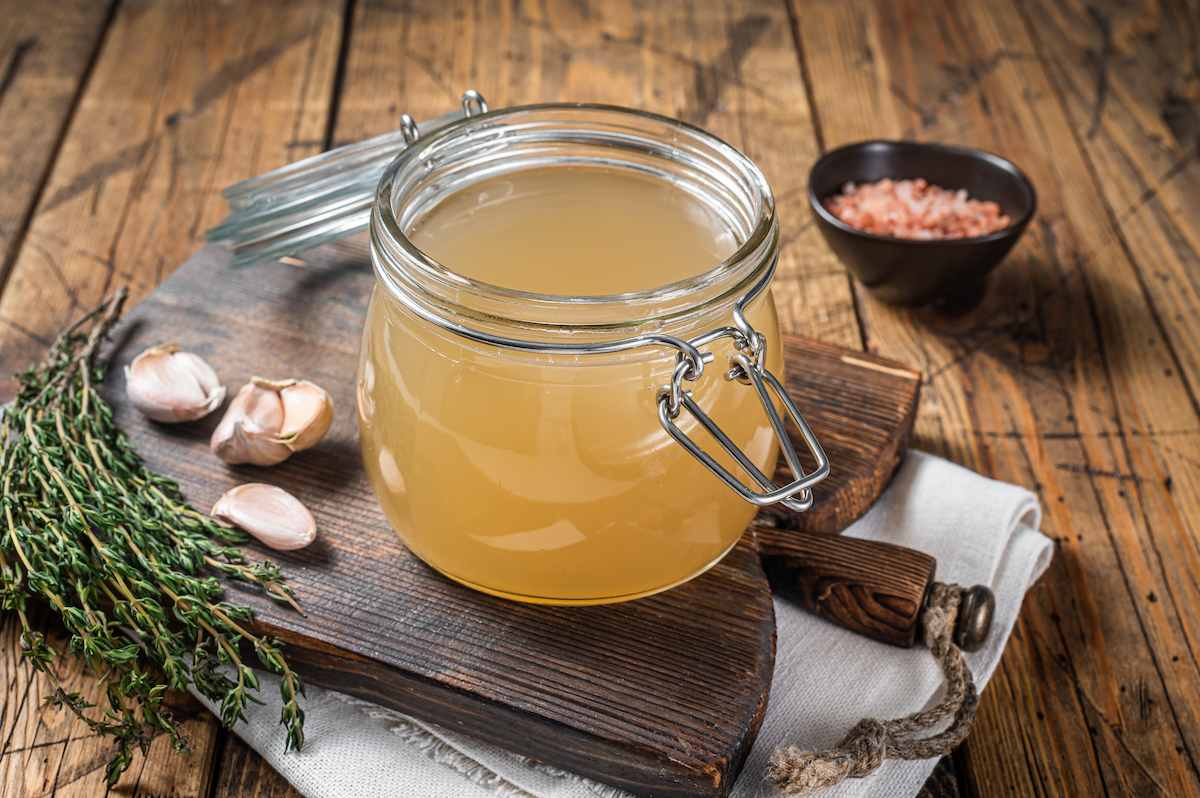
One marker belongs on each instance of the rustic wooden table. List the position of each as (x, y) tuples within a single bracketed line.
[(1077, 376)]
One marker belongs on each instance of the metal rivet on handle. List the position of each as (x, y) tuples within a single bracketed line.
[(408, 126), (473, 103), (975, 613)]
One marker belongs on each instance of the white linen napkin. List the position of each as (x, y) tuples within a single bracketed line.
[(826, 679)]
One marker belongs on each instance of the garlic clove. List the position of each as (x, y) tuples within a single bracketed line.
[(307, 415), (258, 404), (204, 374), (249, 430), (172, 386), (272, 515), (249, 444)]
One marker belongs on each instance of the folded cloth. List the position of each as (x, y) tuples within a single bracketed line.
[(826, 679)]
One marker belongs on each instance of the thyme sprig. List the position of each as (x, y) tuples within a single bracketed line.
[(125, 563)]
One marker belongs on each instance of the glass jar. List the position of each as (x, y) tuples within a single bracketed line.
[(574, 449)]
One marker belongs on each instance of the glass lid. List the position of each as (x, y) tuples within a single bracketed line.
[(322, 198)]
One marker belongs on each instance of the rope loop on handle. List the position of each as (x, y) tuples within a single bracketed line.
[(797, 772)]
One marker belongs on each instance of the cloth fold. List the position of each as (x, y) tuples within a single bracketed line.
[(826, 679)]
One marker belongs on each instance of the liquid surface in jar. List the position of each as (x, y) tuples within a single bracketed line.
[(545, 478), (575, 231)]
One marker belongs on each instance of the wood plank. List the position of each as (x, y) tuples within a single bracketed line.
[(865, 408), (730, 67), (242, 773), (1060, 380), (943, 782), (48, 752), (1127, 76), (184, 99), (46, 58)]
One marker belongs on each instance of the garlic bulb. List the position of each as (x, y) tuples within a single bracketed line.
[(272, 515), (172, 386), (249, 430), (269, 420)]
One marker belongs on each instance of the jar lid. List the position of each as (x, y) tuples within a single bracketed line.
[(322, 198)]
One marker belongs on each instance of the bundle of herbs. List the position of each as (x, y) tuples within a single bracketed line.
[(129, 568)]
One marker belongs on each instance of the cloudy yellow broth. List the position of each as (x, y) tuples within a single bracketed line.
[(549, 478)]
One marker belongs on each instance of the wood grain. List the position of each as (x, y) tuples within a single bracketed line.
[(1063, 380), (861, 402), (613, 693), (245, 774), (183, 99), (869, 587), (1126, 76), (176, 108), (46, 61)]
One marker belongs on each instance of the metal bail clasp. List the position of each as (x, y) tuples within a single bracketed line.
[(797, 494)]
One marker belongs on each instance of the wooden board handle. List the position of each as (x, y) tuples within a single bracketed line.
[(872, 588)]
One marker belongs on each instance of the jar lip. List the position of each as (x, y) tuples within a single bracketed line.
[(756, 251)]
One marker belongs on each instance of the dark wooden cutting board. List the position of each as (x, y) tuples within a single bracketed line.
[(661, 696)]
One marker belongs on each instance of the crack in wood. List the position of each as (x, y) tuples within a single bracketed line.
[(1180, 114), (13, 65), (1115, 731), (1080, 468), (1076, 435), (1100, 63)]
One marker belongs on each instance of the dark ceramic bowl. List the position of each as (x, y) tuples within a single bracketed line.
[(916, 272)]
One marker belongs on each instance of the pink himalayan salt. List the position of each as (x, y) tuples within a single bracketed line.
[(915, 209)]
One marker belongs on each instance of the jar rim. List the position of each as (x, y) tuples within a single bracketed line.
[(406, 267)]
